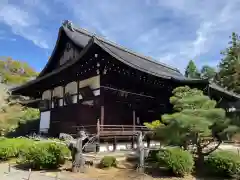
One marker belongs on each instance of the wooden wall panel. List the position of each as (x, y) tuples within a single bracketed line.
[(117, 114), (63, 118)]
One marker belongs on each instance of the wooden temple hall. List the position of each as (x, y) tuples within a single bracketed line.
[(94, 84)]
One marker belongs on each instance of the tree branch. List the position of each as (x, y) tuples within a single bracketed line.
[(205, 145), (213, 149)]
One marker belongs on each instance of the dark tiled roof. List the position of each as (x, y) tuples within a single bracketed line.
[(81, 37), (223, 90)]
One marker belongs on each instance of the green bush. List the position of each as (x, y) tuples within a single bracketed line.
[(43, 155), (178, 161), (223, 163), (108, 161), (10, 148), (152, 156), (37, 154)]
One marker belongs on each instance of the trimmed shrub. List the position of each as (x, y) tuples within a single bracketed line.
[(108, 161), (223, 163), (43, 155), (176, 160)]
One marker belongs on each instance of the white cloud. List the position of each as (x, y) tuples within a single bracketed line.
[(173, 31), (23, 23), (169, 30), (6, 38)]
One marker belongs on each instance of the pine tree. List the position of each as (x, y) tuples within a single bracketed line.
[(195, 121), (192, 71), (228, 75)]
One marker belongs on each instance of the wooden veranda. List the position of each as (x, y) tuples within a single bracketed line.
[(112, 131)]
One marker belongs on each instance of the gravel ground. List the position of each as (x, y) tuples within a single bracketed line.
[(16, 174)]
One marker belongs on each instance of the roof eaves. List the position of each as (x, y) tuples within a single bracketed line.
[(218, 88), (68, 64), (127, 62)]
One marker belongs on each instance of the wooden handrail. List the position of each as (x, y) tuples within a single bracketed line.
[(120, 126), (112, 129)]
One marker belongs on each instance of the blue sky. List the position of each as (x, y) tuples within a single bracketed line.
[(171, 31)]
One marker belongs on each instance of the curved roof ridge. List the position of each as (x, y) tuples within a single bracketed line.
[(86, 32)]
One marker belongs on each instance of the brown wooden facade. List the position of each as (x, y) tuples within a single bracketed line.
[(89, 80)]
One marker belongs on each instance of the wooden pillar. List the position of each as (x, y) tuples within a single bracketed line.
[(64, 95), (78, 91), (132, 144), (148, 141), (50, 123), (134, 127), (115, 144), (134, 120), (102, 117), (98, 136), (51, 101)]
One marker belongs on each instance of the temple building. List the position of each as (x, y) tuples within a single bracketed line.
[(92, 83)]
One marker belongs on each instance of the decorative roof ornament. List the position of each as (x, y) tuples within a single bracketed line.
[(68, 24)]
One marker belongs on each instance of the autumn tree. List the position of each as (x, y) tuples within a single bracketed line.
[(12, 113), (196, 121), (229, 75), (192, 71), (14, 72)]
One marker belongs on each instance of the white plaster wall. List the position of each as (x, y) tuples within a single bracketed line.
[(44, 121), (58, 92), (46, 95), (71, 88), (93, 82)]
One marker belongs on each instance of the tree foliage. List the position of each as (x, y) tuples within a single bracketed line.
[(208, 72), (229, 67), (14, 72), (192, 71), (195, 121), (12, 113)]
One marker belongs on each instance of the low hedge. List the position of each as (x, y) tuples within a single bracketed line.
[(176, 160), (223, 163), (37, 154), (11, 147), (108, 161), (47, 155)]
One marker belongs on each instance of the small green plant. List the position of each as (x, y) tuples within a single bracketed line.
[(152, 156), (223, 163), (108, 161), (177, 160)]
